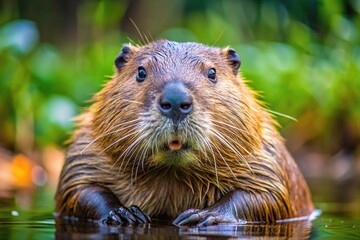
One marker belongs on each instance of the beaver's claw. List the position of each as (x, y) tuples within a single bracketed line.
[(126, 216), (205, 217)]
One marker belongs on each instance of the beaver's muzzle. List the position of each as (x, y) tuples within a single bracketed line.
[(175, 101)]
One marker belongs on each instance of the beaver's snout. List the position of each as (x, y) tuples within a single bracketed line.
[(175, 101)]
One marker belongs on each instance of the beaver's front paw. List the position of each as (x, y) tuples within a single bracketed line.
[(205, 217), (126, 216)]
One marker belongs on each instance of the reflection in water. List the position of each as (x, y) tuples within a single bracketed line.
[(67, 229), (40, 225), (298, 230)]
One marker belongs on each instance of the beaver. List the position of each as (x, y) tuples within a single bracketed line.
[(177, 133)]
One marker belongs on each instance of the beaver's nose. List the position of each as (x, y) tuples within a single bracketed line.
[(175, 101)]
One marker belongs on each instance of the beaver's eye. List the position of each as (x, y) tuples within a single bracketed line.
[(212, 75), (141, 74)]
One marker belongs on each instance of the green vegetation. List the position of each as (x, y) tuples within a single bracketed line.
[(303, 58)]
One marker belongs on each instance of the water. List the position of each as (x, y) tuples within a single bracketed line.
[(340, 219), (18, 225)]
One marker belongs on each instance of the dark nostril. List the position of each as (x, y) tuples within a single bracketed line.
[(165, 106), (185, 107)]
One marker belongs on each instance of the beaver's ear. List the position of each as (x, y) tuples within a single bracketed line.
[(233, 59), (124, 56)]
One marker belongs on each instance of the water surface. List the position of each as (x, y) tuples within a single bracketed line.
[(39, 225)]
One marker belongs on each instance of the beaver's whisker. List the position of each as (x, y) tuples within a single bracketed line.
[(143, 150), (234, 134), (136, 159), (130, 149), (109, 132), (195, 136), (125, 155), (187, 128), (230, 125), (222, 157), (222, 139), (147, 144), (237, 119), (157, 140), (134, 121), (132, 101), (231, 147), (124, 169), (239, 145), (280, 114), (199, 139), (220, 124), (147, 116), (118, 140), (242, 147), (135, 133), (208, 144), (150, 142)]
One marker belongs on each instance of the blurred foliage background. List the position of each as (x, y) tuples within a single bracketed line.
[(302, 56)]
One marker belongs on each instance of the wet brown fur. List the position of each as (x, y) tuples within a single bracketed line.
[(118, 142)]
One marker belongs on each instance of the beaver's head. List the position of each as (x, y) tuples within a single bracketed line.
[(176, 104)]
